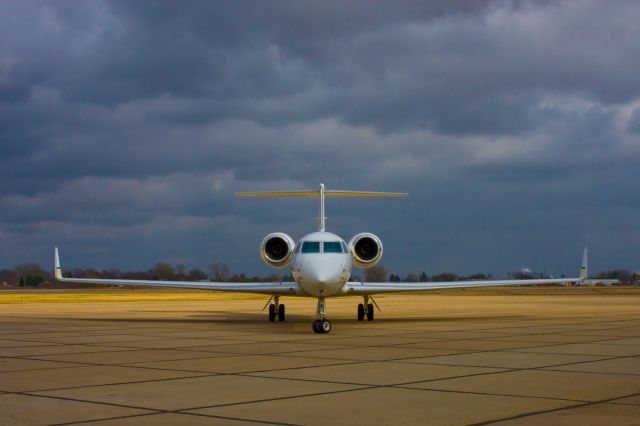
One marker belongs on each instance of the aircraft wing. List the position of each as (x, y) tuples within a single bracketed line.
[(362, 288), (394, 287), (270, 288)]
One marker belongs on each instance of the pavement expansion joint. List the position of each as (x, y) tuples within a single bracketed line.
[(303, 395), (112, 404), (123, 383), (568, 407), (506, 395)]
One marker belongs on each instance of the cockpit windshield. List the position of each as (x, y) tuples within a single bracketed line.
[(321, 246), (311, 247), (332, 247)]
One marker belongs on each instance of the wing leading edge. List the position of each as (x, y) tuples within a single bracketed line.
[(361, 288), (270, 288)]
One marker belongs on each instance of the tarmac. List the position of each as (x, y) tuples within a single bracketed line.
[(425, 359)]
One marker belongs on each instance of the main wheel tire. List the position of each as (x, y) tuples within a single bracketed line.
[(360, 312), (316, 326), (325, 326), (281, 313), (370, 312), (272, 312)]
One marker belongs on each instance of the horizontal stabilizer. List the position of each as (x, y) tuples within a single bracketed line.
[(327, 193), (323, 193)]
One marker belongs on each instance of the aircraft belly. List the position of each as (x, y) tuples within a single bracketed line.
[(324, 289)]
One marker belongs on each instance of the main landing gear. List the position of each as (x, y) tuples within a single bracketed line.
[(276, 309), (321, 324), (369, 309)]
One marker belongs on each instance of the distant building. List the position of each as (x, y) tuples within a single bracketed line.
[(596, 281)]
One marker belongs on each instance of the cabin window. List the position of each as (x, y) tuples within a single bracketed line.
[(311, 247), (332, 247)]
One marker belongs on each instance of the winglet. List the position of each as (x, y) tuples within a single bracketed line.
[(56, 261), (584, 268)]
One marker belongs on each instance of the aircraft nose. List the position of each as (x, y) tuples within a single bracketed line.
[(322, 277), (322, 274)]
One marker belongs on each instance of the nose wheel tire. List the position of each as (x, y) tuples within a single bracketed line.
[(272, 312), (370, 312), (322, 326), (281, 313), (360, 312)]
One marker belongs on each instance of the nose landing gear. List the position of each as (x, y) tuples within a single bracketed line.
[(321, 324)]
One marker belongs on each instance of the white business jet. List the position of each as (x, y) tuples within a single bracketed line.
[(321, 265)]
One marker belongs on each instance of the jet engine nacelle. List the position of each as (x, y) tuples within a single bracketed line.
[(366, 250), (276, 249)]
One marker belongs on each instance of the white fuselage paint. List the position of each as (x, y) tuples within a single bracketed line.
[(321, 274)]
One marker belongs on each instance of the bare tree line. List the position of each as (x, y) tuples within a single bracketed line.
[(33, 275)]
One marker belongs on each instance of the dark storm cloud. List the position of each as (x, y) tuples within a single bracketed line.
[(634, 122), (128, 125)]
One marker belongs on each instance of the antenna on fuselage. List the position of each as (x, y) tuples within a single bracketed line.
[(322, 193)]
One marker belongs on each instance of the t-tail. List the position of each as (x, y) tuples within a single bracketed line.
[(321, 193)]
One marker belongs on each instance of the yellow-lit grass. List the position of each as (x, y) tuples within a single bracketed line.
[(119, 295)]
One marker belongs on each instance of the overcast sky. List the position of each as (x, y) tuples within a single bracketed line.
[(127, 126)]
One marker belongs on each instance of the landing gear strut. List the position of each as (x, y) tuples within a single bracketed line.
[(321, 324), (365, 307), (276, 309)]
